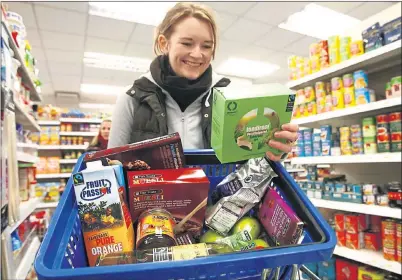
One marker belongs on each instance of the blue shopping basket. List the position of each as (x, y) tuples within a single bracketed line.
[(62, 253)]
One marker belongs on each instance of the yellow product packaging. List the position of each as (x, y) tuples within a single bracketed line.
[(303, 110), (369, 273), (337, 100), (334, 56), (311, 108), (356, 48), (41, 165), (307, 67), (309, 94), (53, 165), (345, 41), (344, 52), (300, 97), (293, 74), (320, 105), (296, 112), (54, 138), (333, 42), (349, 97), (44, 137), (105, 219), (292, 61), (315, 63)]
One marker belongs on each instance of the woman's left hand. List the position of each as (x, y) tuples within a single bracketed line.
[(289, 133)]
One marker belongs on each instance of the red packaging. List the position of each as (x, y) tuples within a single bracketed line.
[(355, 223), (388, 231), (375, 223), (324, 54), (178, 191), (164, 152), (339, 222), (355, 241), (399, 242), (346, 270), (341, 238), (372, 241)]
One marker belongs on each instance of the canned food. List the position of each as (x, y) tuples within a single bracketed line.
[(309, 94), (396, 86), (345, 133), (308, 135), (349, 97), (356, 130), (338, 100), (360, 79), (362, 96), (300, 97), (320, 105), (399, 242), (356, 48), (336, 84), (389, 239), (312, 108), (382, 118), (369, 127), (395, 121), (396, 141), (388, 90), (347, 80), (319, 86), (370, 146), (383, 138), (326, 132), (303, 110), (328, 103)]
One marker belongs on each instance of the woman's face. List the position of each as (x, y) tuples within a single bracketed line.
[(105, 129), (190, 47)]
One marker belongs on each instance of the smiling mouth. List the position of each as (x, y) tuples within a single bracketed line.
[(192, 64)]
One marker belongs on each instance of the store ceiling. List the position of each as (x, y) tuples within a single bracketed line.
[(60, 33)]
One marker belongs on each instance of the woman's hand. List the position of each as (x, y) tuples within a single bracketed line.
[(289, 133)]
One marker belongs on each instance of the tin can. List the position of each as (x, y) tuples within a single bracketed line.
[(362, 96), (345, 133), (388, 90), (309, 94), (396, 139), (369, 127), (300, 97), (383, 135), (396, 86), (347, 80), (338, 99), (355, 130), (319, 86), (388, 227), (312, 108), (328, 103), (360, 79), (395, 121), (399, 242), (336, 84), (382, 118), (326, 132), (320, 105), (370, 145), (349, 97)]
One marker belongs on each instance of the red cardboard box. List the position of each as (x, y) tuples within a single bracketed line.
[(178, 191), (375, 223), (355, 241), (372, 241), (346, 270), (339, 222), (341, 238), (355, 223)]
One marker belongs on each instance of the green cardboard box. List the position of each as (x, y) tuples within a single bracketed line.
[(244, 119)]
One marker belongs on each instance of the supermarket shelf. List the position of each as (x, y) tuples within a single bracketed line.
[(383, 106), (373, 158), (63, 147), (28, 145), (295, 170), (22, 117), (28, 259), (47, 205), (24, 157), (49, 122), (369, 257), (67, 161), (376, 210), (53, 176), (80, 120), (78, 133), (379, 57), (25, 73), (26, 208)]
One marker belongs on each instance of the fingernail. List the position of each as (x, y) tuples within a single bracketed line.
[(284, 126), (276, 134)]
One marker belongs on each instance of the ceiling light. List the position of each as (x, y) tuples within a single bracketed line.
[(95, 106), (319, 22), (149, 13), (103, 89), (244, 68), (116, 62)]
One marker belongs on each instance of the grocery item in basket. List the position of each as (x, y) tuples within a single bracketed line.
[(282, 224), (250, 224), (355, 240), (155, 229), (116, 259), (245, 119), (238, 193), (164, 152), (179, 191), (105, 218), (372, 240), (360, 79), (388, 232), (242, 241), (396, 86), (185, 239)]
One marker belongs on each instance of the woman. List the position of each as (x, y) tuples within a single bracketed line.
[(100, 141), (175, 95)]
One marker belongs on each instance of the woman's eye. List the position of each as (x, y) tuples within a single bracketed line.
[(208, 47), (186, 44)]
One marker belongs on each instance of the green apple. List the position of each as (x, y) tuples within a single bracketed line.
[(250, 224), (260, 244), (210, 237)]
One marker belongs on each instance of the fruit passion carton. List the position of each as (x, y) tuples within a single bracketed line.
[(105, 219), (178, 191), (245, 119)]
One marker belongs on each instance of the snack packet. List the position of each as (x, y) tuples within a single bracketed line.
[(238, 193)]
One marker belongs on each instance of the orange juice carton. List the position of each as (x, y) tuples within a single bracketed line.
[(105, 219)]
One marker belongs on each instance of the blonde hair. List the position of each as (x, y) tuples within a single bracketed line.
[(95, 140), (179, 12)]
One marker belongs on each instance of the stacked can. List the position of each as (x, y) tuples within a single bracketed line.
[(317, 144), (308, 142), (300, 144), (326, 133), (396, 135), (344, 48), (349, 90), (389, 239), (399, 241), (369, 136), (383, 144), (346, 145), (356, 139), (337, 90), (320, 95)]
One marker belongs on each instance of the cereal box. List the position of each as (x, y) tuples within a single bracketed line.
[(372, 240), (105, 219), (245, 119), (355, 223), (370, 273), (341, 238), (346, 270), (355, 241), (339, 222)]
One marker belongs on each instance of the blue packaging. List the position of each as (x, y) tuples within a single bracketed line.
[(319, 186), (392, 31), (327, 195), (300, 137), (360, 79), (349, 188), (308, 149), (317, 148), (299, 150), (329, 187), (310, 185), (308, 135), (312, 172), (357, 189), (326, 132), (337, 196), (340, 188), (326, 147), (316, 137)]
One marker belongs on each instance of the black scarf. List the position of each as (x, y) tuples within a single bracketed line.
[(182, 90)]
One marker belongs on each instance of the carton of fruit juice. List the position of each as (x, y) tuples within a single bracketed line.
[(105, 219)]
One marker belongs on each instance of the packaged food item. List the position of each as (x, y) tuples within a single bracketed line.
[(355, 223), (399, 241), (44, 136), (333, 42), (328, 103), (312, 108), (164, 152), (307, 67), (338, 99), (345, 133), (177, 191), (395, 121), (185, 239), (389, 239), (383, 134), (388, 90), (334, 56), (105, 219), (396, 138), (282, 224), (315, 64), (369, 273), (292, 61), (337, 84), (339, 222), (53, 165), (54, 133), (326, 147), (251, 180), (309, 94), (324, 54), (346, 270), (355, 241), (369, 129), (375, 223), (372, 241), (155, 229), (242, 125), (396, 86), (349, 97), (362, 96), (341, 238), (360, 79), (52, 193), (326, 132), (308, 135), (392, 31), (356, 48)]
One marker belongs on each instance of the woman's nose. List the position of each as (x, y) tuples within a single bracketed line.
[(196, 52)]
